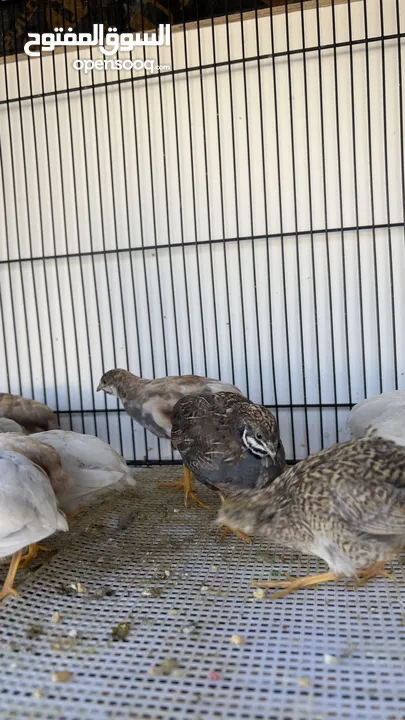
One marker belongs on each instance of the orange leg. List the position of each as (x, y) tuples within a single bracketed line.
[(227, 530), (295, 584), (32, 553), (375, 570), (8, 588), (237, 533), (186, 486), (73, 513)]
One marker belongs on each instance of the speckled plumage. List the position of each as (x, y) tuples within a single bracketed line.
[(208, 432), (345, 504), (32, 415), (150, 402)]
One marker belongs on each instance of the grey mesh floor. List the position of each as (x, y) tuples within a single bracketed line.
[(150, 634)]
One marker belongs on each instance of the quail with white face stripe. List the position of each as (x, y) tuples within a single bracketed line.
[(228, 442)]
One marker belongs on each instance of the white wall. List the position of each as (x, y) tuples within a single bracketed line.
[(51, 308)]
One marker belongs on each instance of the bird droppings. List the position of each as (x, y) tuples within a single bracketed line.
[(169, 666), (38, 693), (330, 659), (191, 628), (304, 682), (73, 589), (56, 618), (238, 640), (61, 676), (121, 631), (153, 592), (259, 593)]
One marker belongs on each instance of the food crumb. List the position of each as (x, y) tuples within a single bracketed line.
[(304, 682), (167, 667), (120, 631), (204, 588), (213, 675), (56, 618), (238, 640), (61, 676), (38, 693)]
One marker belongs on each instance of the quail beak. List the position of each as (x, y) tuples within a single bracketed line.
[(99, 387), (272, 451)]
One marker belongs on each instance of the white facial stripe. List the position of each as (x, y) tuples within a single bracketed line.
[(255, 447)]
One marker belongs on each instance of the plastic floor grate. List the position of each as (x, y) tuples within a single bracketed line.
[(180, 595)]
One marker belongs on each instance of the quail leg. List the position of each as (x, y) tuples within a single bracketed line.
[(237, 533), (72, 513), (185, 485), (295, 583), (375, 570), (8, 588), (32, 553)]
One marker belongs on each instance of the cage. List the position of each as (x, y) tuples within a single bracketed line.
[(231, 205)]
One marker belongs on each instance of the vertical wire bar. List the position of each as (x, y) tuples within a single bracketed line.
[(266, 219), (235, 190), (294, 178), (181, 204), (401, 112), (29, 229), (102, 208), (340, 183), (52, 350), (325, 210), (356, 199), (130, 262), (280, 204), (259, 348), (229, 322), (387, 197), (190, 134), (311, 225), (78, 227), (145, 275), (154, 214), (207, 195), (65, 238), (371, 186), (169, 237), (17, 225), (107, 95), (8, 254)]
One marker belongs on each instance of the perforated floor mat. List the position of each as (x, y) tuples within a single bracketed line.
[(149, 635)]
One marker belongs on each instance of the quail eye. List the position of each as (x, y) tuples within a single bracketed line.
[(259, 436)]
